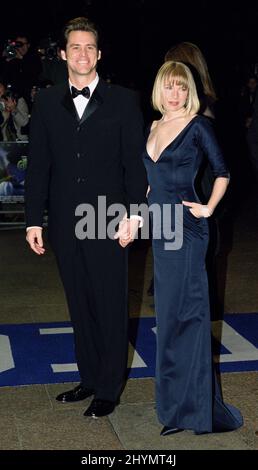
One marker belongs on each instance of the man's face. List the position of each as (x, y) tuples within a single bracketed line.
[(23, 49), (81, 53)]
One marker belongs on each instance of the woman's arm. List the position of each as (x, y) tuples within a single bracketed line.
[(219, 188), (218, 191)]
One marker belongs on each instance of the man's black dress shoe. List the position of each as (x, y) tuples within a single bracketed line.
[(76, 394), (166, 431), (99, 408)]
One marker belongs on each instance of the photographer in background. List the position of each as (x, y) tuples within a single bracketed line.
[(14, 115), (20, 66), (54, 68)]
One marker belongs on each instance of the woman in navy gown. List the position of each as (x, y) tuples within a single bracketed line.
[(187, 393)]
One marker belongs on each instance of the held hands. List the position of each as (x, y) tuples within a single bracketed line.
[(127, 231), (34, 239), (198, 210)]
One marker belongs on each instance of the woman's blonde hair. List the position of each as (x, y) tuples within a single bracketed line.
[(189, 52), (177, 72)]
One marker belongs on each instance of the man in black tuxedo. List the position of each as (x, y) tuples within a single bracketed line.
[(85, 142)]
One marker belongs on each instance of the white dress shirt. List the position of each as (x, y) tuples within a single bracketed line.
[(80, 101)]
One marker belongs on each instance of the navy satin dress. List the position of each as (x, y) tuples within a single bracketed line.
[(187, 393)]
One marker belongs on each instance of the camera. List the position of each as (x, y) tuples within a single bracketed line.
[(48, 48), (10, 49)]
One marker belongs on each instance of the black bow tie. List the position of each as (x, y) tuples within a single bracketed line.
[(84, 92)]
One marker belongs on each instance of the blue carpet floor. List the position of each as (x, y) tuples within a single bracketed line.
[(41, 353)]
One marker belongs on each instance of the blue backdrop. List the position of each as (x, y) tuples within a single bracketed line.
[(43, 352)]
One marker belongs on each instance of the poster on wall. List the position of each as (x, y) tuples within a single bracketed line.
[(13, 163)]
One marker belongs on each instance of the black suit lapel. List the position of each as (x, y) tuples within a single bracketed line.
[(96, 100), (69, 105)]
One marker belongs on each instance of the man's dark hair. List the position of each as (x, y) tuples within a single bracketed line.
[(21, 34), (78, 24), (11, 93)]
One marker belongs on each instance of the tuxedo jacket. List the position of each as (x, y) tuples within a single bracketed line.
[(73, 161)]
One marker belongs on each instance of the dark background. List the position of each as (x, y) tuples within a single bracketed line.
[(137, 33)]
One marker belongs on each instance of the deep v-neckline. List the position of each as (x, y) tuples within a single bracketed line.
[(171, 142)]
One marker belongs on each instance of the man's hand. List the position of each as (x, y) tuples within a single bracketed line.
[(34, 239), (127, 231)]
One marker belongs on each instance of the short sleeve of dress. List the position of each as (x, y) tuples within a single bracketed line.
[(208, 142)]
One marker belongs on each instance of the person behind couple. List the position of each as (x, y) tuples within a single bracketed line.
[(187, 393), (86, 141), (190, 53)]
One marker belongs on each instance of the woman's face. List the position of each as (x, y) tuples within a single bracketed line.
[(174, 95)]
